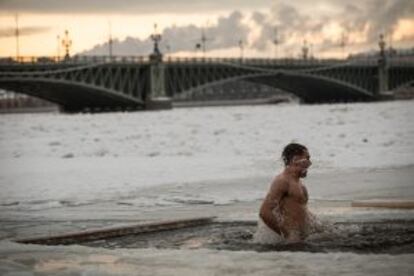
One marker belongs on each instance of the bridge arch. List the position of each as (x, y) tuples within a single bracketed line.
[(71, 96), (310, 88), (405, 85)]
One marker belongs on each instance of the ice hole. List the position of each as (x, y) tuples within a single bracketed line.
[(388, 236)]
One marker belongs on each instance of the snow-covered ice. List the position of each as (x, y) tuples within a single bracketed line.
[(77, 260), (49, 160), (62, 172)]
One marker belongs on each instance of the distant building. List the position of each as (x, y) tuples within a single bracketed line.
[(11, 102), (408, 52)]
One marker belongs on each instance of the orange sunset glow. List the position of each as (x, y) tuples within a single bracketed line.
[(329, 27)]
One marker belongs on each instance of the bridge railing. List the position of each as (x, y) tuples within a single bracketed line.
[(144, 59), (73, 60), (82, 59), (259, 61)]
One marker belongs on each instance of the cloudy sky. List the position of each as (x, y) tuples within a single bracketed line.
[(324, 24)]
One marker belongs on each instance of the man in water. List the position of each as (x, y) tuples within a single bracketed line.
[(283, 213)]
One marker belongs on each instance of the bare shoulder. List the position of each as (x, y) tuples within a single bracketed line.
[(280, 182)]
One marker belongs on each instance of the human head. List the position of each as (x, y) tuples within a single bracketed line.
[(296, 156)]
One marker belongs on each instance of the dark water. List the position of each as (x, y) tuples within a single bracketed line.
[(392, 237)]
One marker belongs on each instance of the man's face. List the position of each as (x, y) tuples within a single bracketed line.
[(302, 163)]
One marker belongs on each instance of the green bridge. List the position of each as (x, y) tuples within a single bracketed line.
[(130, 83)]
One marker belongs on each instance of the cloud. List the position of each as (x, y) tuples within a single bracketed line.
[(258, 17), (385, 14), (226, 33), (127, 6), (23, 31), (324, 22)]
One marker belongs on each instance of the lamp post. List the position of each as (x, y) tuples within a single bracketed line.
[(67, 43), (305, 49), (16, 18), (156, 38), (343, 44), (241, 46), (110, 40), (276, 42), (203, 42), (58, 48)]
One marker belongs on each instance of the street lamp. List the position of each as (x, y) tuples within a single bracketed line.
[(305, 49), (241, 46), (276, 42), (67, 43), (58, 48), (156, 38)]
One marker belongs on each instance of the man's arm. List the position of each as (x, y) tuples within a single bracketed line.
[(305, 192), (270, 210)]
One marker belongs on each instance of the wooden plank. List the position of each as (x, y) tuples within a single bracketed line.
[(384, 203), (105, 233)]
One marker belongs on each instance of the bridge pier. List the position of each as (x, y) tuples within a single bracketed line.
[(157, 96), (383, 81)]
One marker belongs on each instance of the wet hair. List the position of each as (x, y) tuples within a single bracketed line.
[(291, 150)]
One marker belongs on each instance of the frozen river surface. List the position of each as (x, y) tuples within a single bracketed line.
[(48, 160), (69, 172)]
